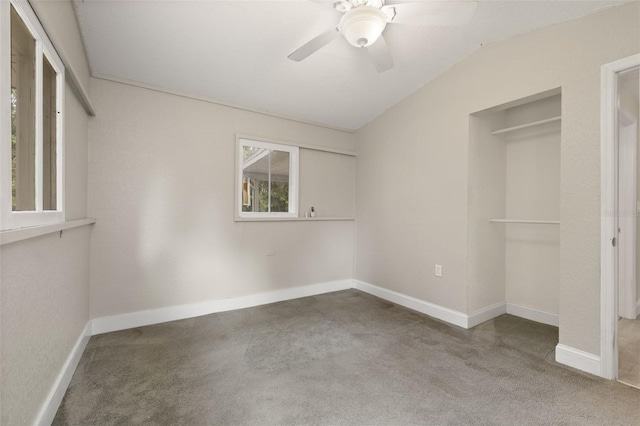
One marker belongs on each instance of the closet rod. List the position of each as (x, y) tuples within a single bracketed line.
[(524, 126), (536, 222)]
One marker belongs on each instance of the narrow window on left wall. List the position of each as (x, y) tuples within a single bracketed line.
[(31, 121)]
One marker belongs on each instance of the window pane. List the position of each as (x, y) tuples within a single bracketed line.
[(266, 179), (279, 194), (49, 134), (23, 132), (255, 178), (262, 204)]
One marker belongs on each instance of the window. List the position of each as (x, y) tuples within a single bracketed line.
[(31, 90), (267, 179)]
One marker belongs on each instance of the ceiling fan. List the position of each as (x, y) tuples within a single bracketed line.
[(363, 22)]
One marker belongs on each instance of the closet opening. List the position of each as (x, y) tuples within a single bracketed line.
[(514, 207)]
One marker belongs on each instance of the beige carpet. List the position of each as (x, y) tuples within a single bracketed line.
[(343, 358)]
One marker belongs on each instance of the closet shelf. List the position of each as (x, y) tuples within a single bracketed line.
[(524, 126), (531, 221)]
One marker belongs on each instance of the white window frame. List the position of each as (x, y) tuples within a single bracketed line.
[(10, 219), (293, 151)]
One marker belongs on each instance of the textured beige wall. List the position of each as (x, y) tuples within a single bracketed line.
[(412, 172), (161, 185), (44, 282), (59, 20), (533, 192), (44, 308), (76, 156), (486, 266), (328, 183)]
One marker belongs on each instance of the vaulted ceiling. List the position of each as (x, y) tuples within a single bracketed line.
[(236, 51)]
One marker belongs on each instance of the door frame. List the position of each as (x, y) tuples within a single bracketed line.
[(609, 217)]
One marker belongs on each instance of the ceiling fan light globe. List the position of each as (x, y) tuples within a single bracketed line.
[(363, 25)]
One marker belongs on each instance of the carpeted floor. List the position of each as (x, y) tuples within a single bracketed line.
[(338, 358)]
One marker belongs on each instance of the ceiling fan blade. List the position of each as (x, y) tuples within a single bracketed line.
[(315, 44), (380, 55), (433, 12)]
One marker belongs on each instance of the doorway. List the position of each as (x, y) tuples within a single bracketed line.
[(620, 328)]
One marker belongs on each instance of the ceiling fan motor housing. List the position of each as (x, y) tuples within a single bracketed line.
[(362, 26)]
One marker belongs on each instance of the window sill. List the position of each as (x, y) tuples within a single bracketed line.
[(294, 219), (15, 235)]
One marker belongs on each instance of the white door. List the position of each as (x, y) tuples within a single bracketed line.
[(627, 216)]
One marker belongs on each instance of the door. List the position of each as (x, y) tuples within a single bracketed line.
[(627, 215)]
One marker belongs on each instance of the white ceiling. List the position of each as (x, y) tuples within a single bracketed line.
[(236, 51)]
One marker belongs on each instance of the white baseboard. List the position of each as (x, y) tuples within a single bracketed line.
[(454, 317), (433, 310), (533, 314), (486, 314), (173, 313), (578, 359), (54, 398)]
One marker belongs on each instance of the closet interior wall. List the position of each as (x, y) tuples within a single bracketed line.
[(514, 175)]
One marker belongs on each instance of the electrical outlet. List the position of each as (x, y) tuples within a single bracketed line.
[(438, 270)]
